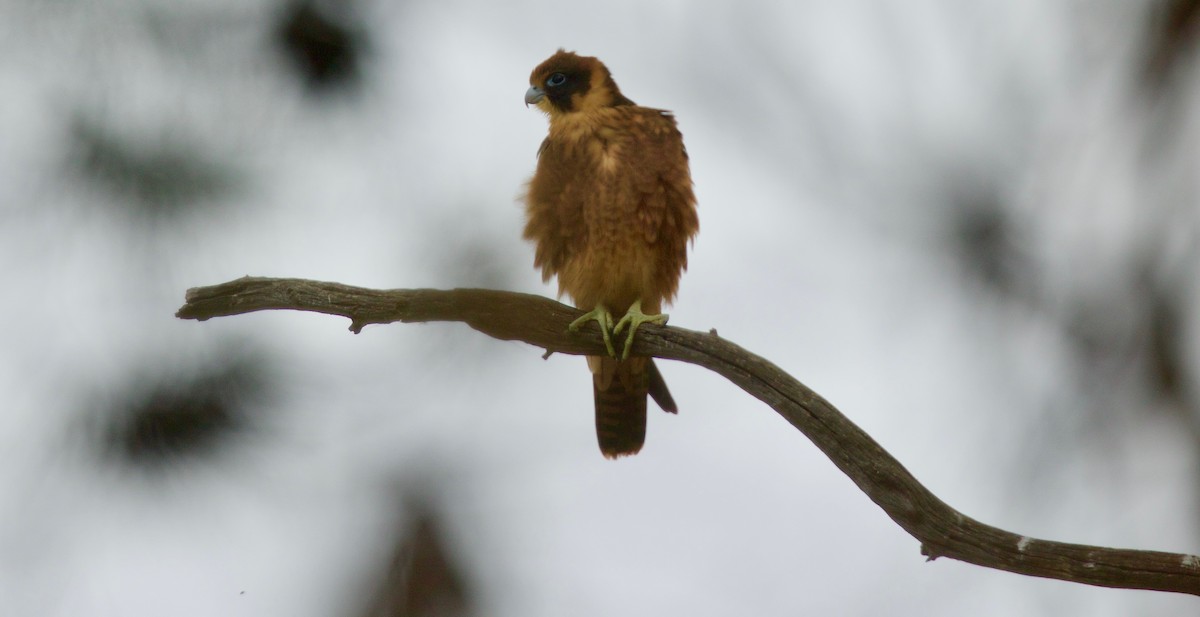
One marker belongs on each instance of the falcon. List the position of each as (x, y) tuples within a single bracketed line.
[(611, 211)]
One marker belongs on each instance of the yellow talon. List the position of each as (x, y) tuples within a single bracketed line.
[(634, 318), (604, 319)]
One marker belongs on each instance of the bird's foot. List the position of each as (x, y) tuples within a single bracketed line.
[(604, 319), (634, 318)]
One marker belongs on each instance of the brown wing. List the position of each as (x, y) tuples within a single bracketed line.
[(553, 219), (667, 212)]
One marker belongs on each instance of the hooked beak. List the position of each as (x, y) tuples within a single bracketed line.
[(533, 95)]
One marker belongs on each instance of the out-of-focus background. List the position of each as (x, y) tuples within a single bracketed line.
[(973, 226)]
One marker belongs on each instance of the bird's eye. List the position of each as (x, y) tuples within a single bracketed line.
[(556, 79)]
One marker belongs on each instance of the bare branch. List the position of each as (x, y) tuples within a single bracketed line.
[(942, 530)]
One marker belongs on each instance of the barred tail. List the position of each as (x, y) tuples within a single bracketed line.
[(620, 389)]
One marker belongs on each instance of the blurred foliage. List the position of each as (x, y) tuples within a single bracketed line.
[(323, 43), (423, 579), (169, 416), (157, 178), (1166, 358), (471, 255), (986, 240), (1174, 26)]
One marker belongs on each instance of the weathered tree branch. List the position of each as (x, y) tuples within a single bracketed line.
[(942, 530)]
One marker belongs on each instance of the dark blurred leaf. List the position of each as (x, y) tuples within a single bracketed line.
[(1174, 26), (157, 177), (1166, 357), (423, 580), (168, 416), (984, 237), (322, 43), (472, 256)]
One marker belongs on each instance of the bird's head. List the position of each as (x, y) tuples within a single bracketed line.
[(569, 83)]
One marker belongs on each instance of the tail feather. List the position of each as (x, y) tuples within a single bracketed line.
[(620, 389), (658, 389)]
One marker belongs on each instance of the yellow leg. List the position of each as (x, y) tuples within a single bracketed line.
[(604, 319), (634, 318)]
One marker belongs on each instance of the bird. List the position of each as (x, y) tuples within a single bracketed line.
[(612, 212)]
